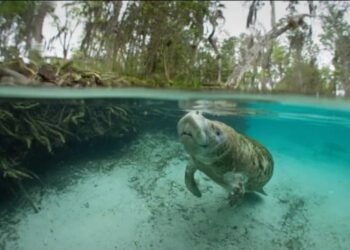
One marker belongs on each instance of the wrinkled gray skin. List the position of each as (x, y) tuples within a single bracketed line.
[(237, 163)]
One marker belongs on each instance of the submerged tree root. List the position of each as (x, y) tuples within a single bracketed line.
[(32, 127)]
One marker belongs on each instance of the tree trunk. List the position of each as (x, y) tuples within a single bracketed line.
[(216, 50), (273, 14), (253, 54), (266, 58), (37, 23), (166, 70), (115, 22)]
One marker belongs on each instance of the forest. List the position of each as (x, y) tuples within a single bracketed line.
[(175, 44)]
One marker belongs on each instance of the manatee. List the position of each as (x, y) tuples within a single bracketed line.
[(234, 161)]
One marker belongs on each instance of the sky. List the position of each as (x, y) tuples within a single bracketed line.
[(235, 14)]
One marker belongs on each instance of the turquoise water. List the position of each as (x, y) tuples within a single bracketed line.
[(129, 193)]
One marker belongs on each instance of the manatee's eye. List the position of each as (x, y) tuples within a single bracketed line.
[(197, 112), (218, 133)]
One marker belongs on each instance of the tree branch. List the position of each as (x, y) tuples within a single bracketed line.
[(254, 53)]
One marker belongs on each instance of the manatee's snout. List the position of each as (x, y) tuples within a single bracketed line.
[(192, 128)]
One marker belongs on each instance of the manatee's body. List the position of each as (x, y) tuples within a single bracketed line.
[(232, 160)]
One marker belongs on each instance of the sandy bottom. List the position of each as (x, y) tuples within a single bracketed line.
[(136, 199)]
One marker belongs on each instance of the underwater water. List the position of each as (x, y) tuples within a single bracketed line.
[(129, 192)]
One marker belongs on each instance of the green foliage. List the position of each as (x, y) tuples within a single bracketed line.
[(334, 23), (302, 77), (228, 51), (152, 39), (336, 38), (10, 9), (279, 62), (166, 45)]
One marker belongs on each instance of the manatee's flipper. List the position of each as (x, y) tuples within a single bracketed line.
[(190, 181), (236, 186), (261, 191)]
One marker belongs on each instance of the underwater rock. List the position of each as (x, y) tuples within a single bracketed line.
[(234, 161)]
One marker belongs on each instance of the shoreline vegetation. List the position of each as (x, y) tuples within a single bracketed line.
[(58, 72), (176, 44)]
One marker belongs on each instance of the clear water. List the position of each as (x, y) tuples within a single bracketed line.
[(130, 193)]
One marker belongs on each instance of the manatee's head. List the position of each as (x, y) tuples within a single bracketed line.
[(203, 139)]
